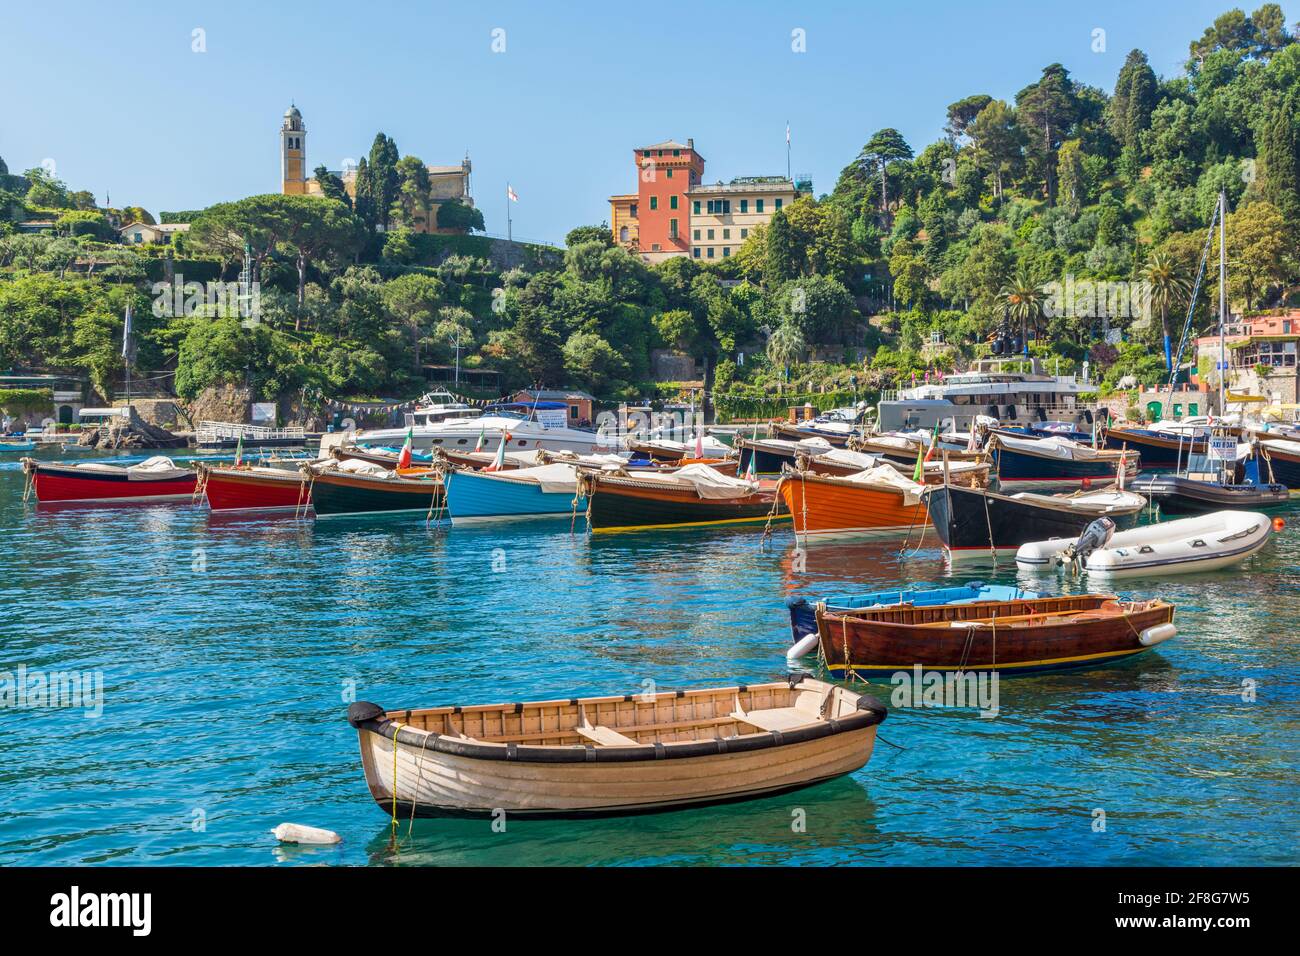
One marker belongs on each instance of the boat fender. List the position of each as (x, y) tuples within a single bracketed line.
[(868, 703), (803, 647), (300, 833), (1157, 634), (363, 712)]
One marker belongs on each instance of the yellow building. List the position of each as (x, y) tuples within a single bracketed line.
[(722, 215), (623, 220), (445, 182)]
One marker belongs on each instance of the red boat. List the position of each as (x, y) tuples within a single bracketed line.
[(156, 479), (253, 488)]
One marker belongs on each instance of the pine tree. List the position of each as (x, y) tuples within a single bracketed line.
[(1279, 154)]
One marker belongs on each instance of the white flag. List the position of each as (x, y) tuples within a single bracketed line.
[(787, 134), (126, 333), (511, 194)]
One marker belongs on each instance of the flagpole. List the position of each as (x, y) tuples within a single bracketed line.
[(126, 351), (787, 151), (510, 230)]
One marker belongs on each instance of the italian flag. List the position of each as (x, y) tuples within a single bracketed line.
[(920, 468), (500, 461), (751, 470), (482, 439), (239, 450), (404, 457), (934, 443)]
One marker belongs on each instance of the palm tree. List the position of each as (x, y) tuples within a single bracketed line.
[(784, 346), (1023, 299), (1167, 286)]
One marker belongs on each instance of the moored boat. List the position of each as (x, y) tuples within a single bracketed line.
[(1019, 636), (616, 754), (874, 503), (1056, 463), (689, 497), (336, 489), (975, 522), (152, 480), (12, 445), (253, 488), (1283, 459), (1158, 448), (1206, 542), (544, 491), (803, 613), (1227, 476)]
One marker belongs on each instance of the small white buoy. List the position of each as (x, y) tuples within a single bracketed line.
[(803, 647), (1157, 634), (297, 833)]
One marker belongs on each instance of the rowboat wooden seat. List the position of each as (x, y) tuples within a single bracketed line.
[(775, 718), (605, 736)]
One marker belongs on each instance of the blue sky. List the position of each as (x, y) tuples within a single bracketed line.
[(115, 95)]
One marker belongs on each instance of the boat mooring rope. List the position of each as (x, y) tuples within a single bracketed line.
[(29, 475), (776, 506)]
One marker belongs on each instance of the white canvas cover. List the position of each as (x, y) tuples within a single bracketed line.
[(159, 466), (855, 459), (707, 482), (558, 478), (885, 476), (1053, 447), (1290, 447)]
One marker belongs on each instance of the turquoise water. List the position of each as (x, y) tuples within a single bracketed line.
[(228, 648)]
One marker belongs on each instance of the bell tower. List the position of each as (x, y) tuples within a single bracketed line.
[(293, 153)]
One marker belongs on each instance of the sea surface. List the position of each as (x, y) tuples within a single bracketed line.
[(229, 649)]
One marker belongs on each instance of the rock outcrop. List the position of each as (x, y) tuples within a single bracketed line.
[(131, 432)]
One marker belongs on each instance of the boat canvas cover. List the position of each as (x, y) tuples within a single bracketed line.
[(1097, 501), (157, 468), (856, 459), (559, 478), (707, 482), (1289, 447), (883, 475), (354, 466), (1054, 447)]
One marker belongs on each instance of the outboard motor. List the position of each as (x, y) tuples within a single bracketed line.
[(1096, 535)]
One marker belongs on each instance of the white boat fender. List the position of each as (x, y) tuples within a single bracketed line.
[(1158, 634), (802, 647), (300, 833)]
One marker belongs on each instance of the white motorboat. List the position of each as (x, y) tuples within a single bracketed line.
[(529, 426), (1203, 543)]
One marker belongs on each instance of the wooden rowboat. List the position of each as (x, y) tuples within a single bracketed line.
[(338, 492), (1018, 636), (253, 488), (156, 479), (614, 755), (693, 496)]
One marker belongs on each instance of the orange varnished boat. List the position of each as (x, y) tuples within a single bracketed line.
[(875, 503)]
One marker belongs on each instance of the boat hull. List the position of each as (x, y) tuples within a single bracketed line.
[(965, 518), (887, 645), (1156, 450), (64, 483), (1283, 466), (230, 489), (335, 494), (1177, 495), (626, 506), (823, 508), (1018, 470), (476, 498)]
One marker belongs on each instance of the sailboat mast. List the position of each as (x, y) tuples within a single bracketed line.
[(1223, 302)]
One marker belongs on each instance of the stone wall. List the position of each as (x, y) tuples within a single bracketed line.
[(222, 403)]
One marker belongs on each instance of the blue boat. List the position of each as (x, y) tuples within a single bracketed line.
[(17, 444), (803, 615), (547, 491)]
